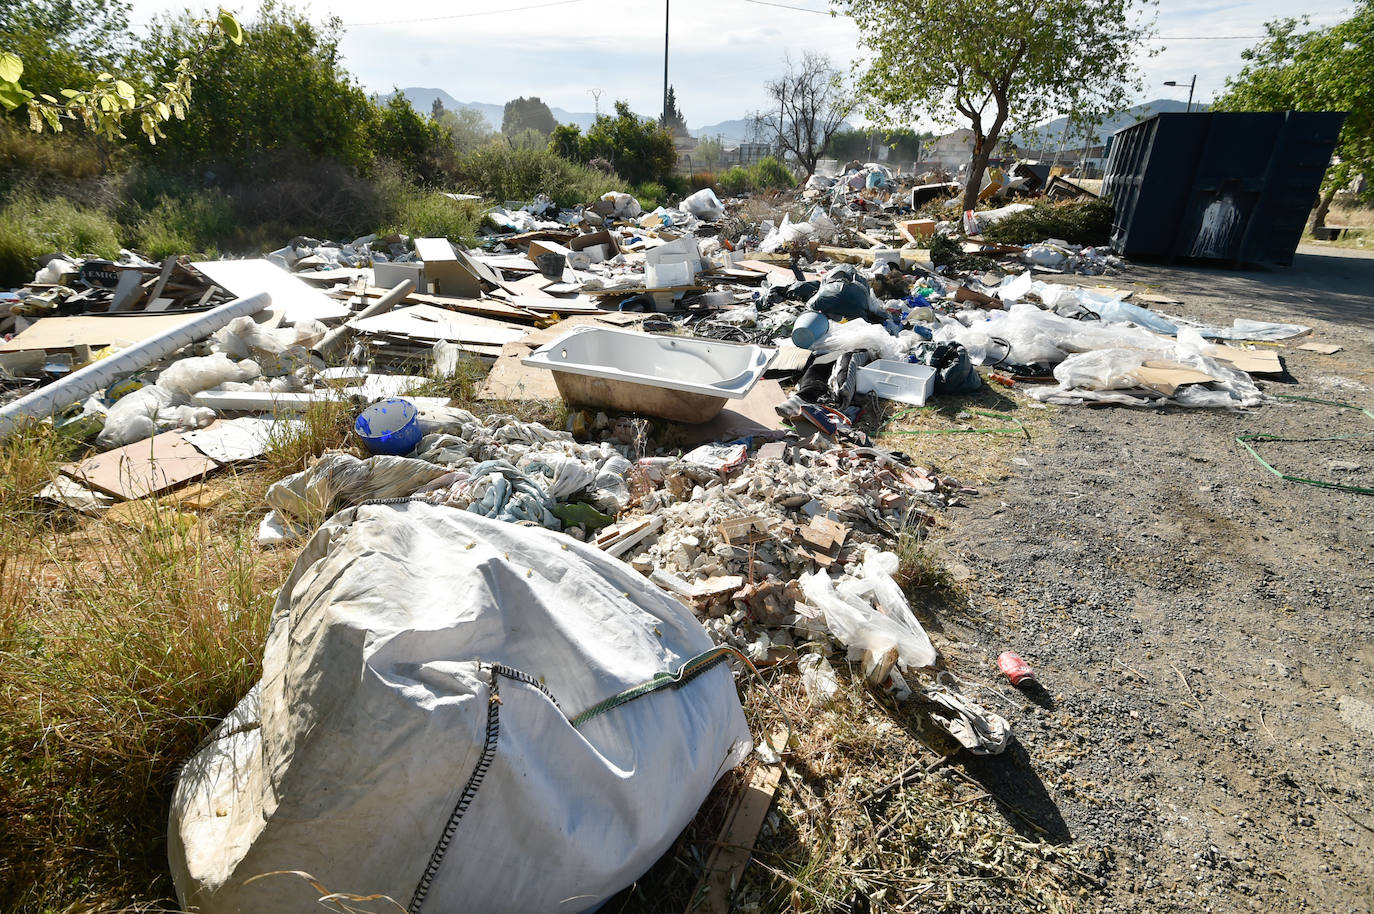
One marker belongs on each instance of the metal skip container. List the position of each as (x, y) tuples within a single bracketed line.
[(1224, 186)]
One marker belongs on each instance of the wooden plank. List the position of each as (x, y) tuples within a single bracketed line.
[(733, 849), (91, 330), (483, 307), (143, 468), (166, 274)]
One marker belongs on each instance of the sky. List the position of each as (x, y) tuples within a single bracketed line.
[(721, 52)]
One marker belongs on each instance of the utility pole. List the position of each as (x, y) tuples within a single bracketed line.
[(664, 118), (596, 95), (1191, 86)]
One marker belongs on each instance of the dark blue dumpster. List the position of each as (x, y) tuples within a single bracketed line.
[(1222, 186)]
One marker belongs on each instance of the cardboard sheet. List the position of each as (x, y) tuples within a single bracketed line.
[(1323, 348), (1166, 376), (93, 331), (292, 298), (143, 468), (1250, 361)]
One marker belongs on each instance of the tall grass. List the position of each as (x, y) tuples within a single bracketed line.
[(501, 173), (765, 174), (192, 224), (120, 649), (33, 224), (428, 214)]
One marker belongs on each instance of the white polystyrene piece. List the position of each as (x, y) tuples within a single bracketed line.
[(688, 364)]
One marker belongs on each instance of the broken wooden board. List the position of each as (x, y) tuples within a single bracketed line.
[(143, 468), (1323, 348), (292, 298), (92, 330), (741, 531), (733, 849), (510, 379), (427, 322), (482, 307), (788, 360), (1154, 298), (753, 415), (1250, 361)]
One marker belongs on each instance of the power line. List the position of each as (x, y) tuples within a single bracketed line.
[(513, 9), (800, 9)]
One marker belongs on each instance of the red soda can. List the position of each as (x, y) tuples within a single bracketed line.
[(1014, 668)]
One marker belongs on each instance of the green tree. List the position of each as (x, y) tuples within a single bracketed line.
[(67, 47), (636, 147), (401, 135), (284, 88), (672, 116), (64, 43), (1328, 69), (530, 113), (566, 141), (904, 144), (951, 59), (710, 152), (467, 128)]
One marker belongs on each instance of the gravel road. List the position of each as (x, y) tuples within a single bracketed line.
[(1202, 628)]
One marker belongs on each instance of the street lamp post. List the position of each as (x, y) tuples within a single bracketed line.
[(1191, 86)]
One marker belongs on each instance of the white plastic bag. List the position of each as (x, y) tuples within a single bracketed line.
[(858, 334), (444, 719), (192, 375), (854, 622), (704, 204)]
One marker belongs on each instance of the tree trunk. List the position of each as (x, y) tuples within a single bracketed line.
[(1323, 206), (982, 151)]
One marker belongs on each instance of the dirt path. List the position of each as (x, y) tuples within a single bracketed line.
[(1202, 627)]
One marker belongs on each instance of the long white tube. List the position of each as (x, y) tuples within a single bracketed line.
[(57, 396)]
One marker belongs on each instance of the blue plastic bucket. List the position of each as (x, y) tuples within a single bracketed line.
[(809, 328), (389, 427)]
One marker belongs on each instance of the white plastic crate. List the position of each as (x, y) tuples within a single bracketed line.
[(899, 381)]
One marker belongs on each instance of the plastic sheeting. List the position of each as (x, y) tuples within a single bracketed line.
[(375, 754), (869, 614)]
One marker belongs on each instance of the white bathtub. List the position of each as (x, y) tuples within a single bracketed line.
[(675, 377)]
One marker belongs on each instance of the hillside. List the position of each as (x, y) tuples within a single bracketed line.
[(1051, 132)]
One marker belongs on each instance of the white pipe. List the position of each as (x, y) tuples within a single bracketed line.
[(330, 344), (57, 396)]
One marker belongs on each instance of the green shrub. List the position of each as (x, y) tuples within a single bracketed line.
[(193, 224), (734, 181), (501, 173), (32, 225), (770, 174), (765, 174), (428, 214), (650, 194), (1088, 222)]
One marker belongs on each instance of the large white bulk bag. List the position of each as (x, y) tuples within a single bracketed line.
[(373, 755)]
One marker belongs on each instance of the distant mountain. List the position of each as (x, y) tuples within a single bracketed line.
[(1050, 133), (731, 133), (422, 100)]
